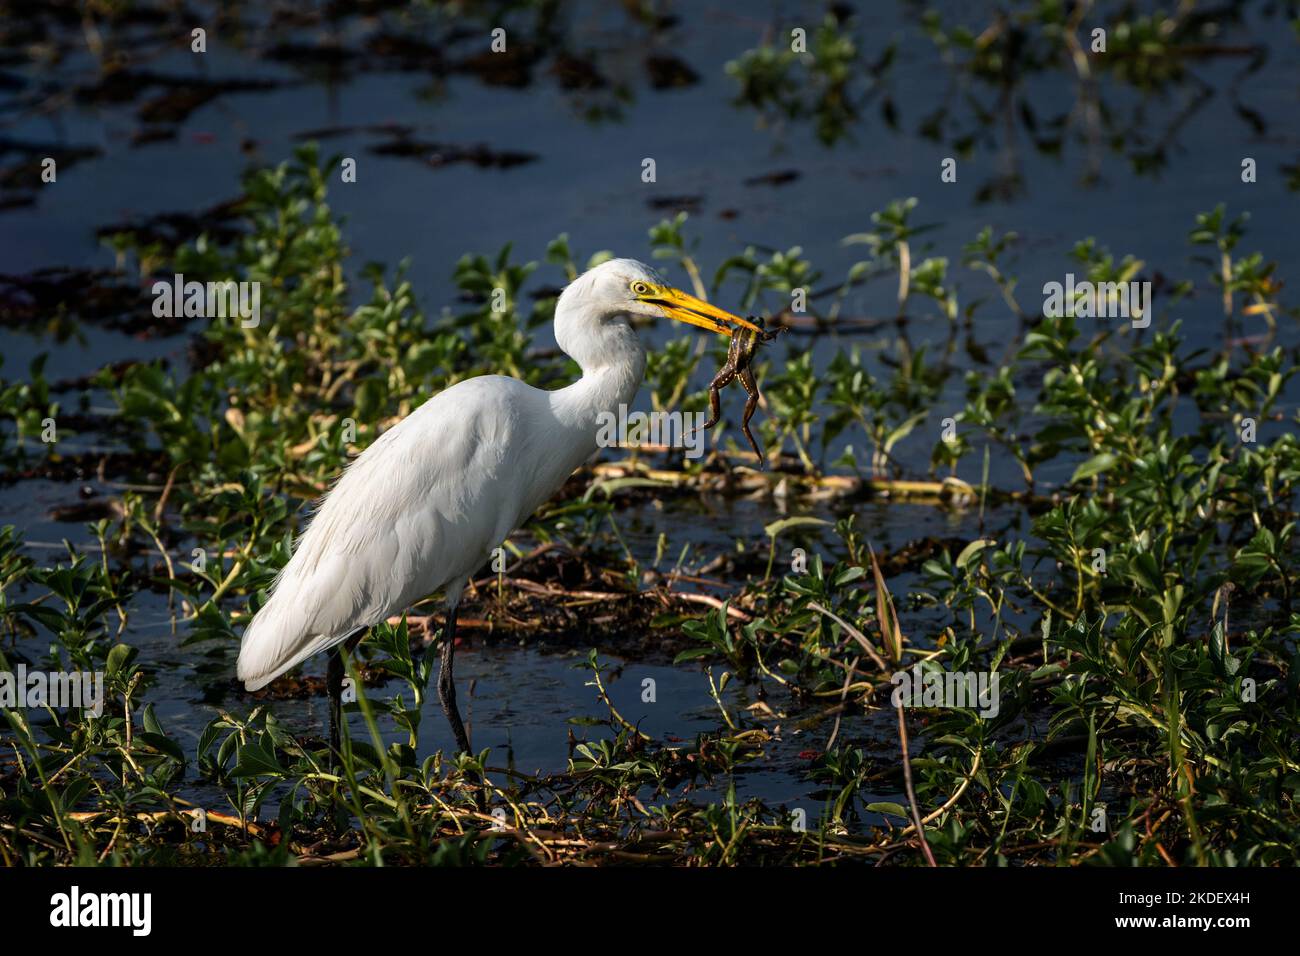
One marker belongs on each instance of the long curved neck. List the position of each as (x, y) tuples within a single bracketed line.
[(604, 386), (607, 350)]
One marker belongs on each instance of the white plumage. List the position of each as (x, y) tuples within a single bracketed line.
[(423, 507)]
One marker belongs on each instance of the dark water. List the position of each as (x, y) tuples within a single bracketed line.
[(586, 182)]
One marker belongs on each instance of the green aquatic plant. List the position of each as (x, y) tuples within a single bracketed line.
[(1133, 592)]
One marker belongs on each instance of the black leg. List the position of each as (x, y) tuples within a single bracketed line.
[(334, 690), (447, 683), (334, 685)]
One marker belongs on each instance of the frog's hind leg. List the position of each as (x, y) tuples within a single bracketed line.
[(751, 403), (720, 381)]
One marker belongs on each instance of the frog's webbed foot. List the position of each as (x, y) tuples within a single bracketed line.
[(766, 334)]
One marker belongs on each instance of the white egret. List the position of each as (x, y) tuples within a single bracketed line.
[(423, 507)]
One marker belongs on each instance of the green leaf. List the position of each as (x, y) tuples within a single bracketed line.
[(784, 524), (118, 658), (162, 744), (1094, 466), (256, 760), (971, 550)]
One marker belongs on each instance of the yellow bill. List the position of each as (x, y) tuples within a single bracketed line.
[(685, 307)]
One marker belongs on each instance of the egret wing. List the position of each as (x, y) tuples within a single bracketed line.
[(419, 508)]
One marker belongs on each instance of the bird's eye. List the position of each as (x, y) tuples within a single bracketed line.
[(640, 288)]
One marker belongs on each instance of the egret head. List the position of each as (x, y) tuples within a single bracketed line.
[(593, 310)]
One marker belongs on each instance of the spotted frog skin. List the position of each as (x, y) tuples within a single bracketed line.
[(744, 342)]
